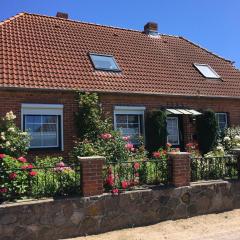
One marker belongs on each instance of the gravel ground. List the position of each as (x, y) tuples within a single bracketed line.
[(222, 226)]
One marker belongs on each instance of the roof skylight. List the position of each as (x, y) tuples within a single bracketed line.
[(206, 71), (104, 62)]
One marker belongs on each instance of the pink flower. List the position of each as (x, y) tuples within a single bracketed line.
[(32, 173), (29, 166), (137, 174), (22, 159), (115, 191), (132, 149), (129, 146), (12, 176), (126, 138), (2, 155), (136, 166), (3, 190), (60, 164), (156, 154), (168, 145), (124, 184), (106, 136)]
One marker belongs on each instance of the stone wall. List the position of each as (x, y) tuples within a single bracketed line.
[(63, 218)]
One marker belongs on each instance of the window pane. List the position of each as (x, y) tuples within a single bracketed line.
[(35, 140), (49, 128), (43, 130), (129, 125), (33, 127), (121, 118), (172, 130), (104, 62), (49, 140), (222, 120), (32, 119), (49, 119), (221, 117), (133, 118), (206, 71)]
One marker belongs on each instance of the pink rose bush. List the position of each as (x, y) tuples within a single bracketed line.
[(16, 176)]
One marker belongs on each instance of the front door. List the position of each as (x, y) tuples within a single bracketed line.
[(174, 129)]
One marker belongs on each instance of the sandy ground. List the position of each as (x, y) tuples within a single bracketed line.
[(223, 226)]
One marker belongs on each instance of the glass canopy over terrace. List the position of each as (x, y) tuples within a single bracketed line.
[(180, 111)]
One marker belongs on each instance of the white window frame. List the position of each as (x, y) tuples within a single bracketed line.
[(197, 65), (126, 110), (178, 143), (44, 109), (226, 117)]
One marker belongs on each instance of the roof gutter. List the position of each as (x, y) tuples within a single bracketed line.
[(118, 92)]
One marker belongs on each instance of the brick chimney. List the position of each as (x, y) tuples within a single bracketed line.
[(151, 28), (62, 15)]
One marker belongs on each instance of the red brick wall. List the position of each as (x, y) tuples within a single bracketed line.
[(232, 106), (11, 100)]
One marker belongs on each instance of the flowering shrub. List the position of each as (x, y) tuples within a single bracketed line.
[(16, 176), (13, 141), (111, 145), (97, 138), (230, 138), (193, 149), (56, 178)]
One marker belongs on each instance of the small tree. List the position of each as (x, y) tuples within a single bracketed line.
[(156, 130), (89, 119), (207, 131)]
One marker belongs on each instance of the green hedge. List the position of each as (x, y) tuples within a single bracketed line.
[(156, 130), (207, 131)]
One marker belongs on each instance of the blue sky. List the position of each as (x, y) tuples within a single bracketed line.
[(214, 24)]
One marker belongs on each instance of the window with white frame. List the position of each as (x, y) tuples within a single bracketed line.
[(44, 123), (173, 131), (206, 71), (222, 120), (129, 121)]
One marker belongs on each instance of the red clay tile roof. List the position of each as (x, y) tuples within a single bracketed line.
[(52, 53)]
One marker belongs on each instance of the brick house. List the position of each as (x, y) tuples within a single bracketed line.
[(44, 60)]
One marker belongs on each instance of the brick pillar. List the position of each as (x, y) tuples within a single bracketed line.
[(180, 168), (91, 175)]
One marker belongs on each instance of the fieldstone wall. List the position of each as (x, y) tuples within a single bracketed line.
[(64, 218)]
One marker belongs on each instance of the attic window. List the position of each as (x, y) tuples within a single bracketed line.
[(104, 62), (206, 71)]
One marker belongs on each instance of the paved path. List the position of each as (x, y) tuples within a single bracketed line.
[(223, 226)]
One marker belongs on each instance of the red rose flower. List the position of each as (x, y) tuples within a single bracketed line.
[(106, 136), (2, 155), (124, 184), (129, 146), (12, 176), (32, 173), (110, 180), (22, 159), (3, 190), (115, 191), (126, 138), (156, 154), (136, 166)]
